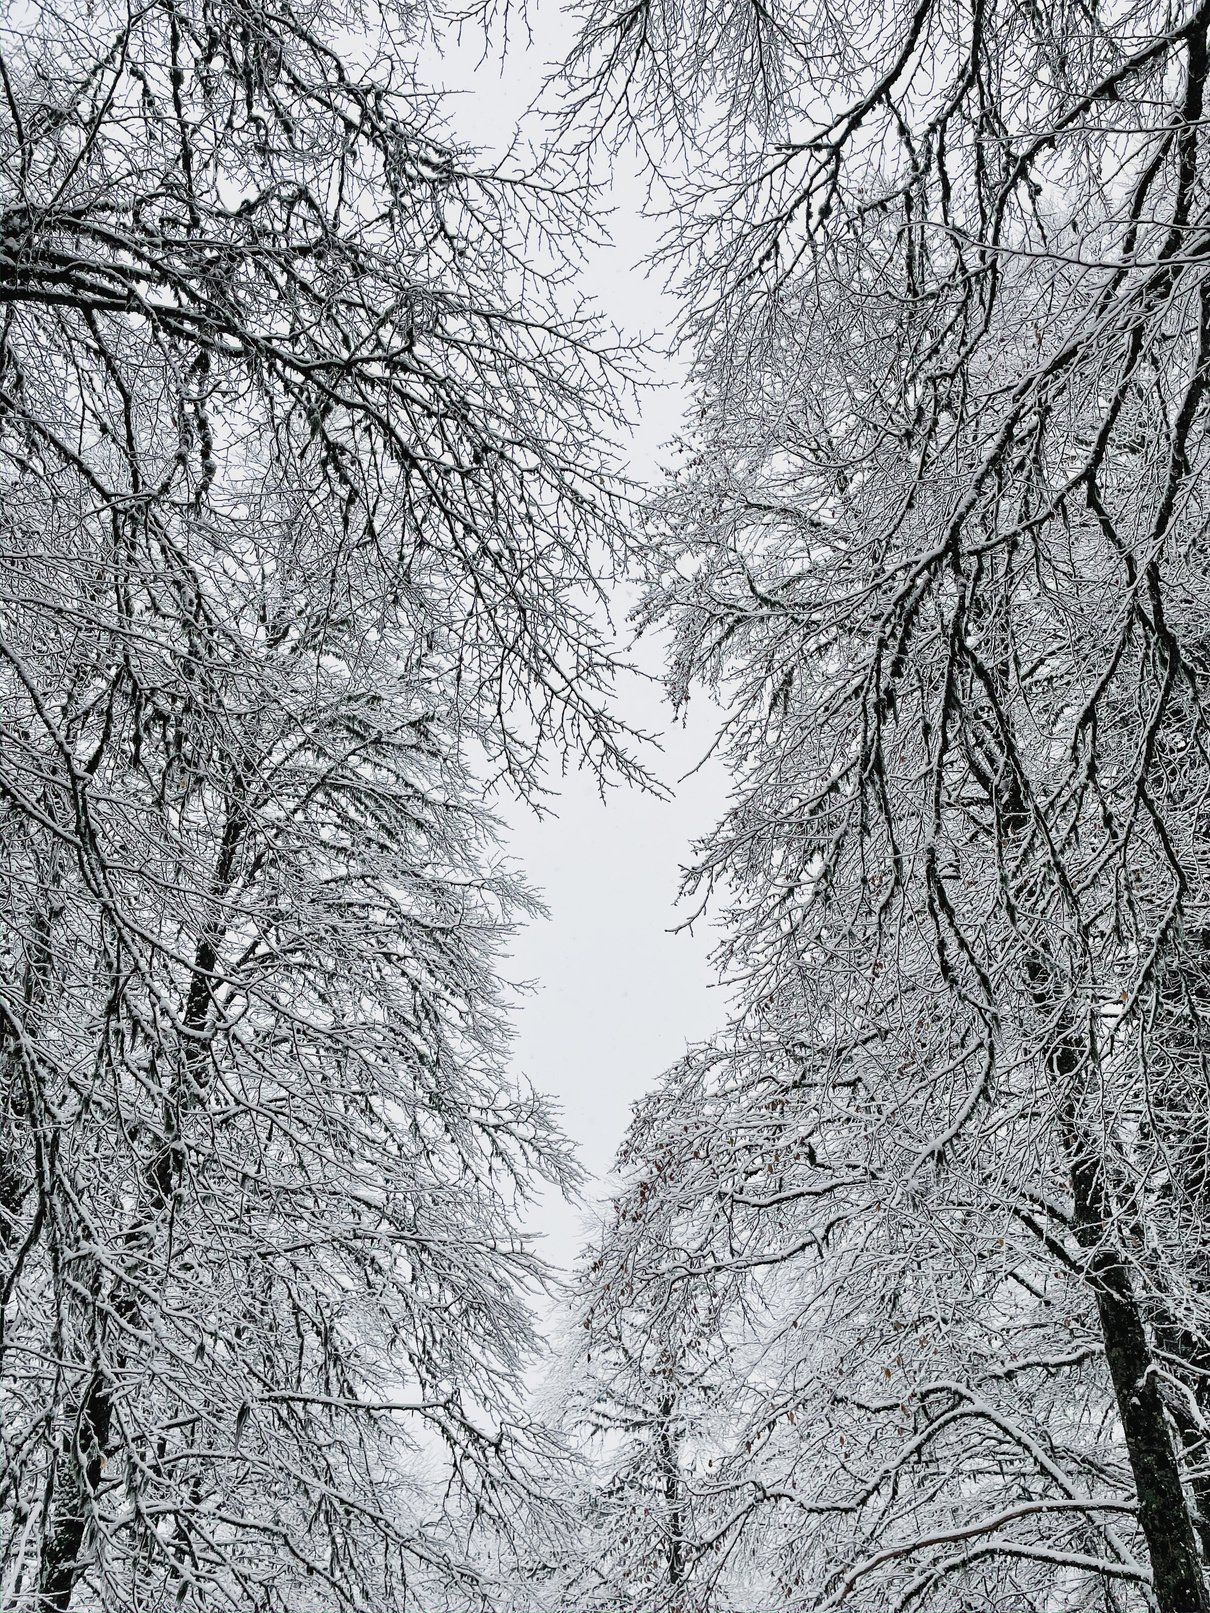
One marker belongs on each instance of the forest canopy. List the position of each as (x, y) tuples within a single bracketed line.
[(311, 505)]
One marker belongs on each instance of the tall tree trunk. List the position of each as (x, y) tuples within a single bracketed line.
[(80, 1459), (1165, 1515), (672, 1500), (75, 1474)]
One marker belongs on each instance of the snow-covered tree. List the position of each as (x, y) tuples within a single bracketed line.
[(912, 1405), (297, 529), (648, 1377), (937, 540)]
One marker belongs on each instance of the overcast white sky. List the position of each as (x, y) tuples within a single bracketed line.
[(618, 996)]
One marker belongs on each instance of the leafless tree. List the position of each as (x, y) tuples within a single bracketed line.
[(300, 527), (649, 1377), (939, 538)]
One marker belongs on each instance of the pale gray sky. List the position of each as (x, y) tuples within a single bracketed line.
[(618, 996)]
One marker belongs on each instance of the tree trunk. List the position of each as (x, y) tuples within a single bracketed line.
[(80, 1459), (672, 1500), (74, 1479), (1164, 1512)]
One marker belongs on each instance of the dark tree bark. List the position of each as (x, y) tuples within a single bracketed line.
[(1165, 1515)]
